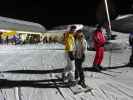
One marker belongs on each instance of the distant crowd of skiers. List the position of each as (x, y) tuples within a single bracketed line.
[(75, 48)]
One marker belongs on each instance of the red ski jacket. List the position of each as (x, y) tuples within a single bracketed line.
[(99, 39)]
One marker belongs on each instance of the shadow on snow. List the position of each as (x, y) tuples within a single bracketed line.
[(51, 83), (48, 83)]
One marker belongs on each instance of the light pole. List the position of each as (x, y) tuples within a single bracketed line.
[(108, 17)]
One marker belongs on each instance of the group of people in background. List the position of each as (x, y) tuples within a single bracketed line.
[(52, 39), (28, 38), (14, 39), (75, 48)]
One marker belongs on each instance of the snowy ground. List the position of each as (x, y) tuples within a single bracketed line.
[(26, 74)]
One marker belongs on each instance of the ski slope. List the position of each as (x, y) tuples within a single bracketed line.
[(26, 74)]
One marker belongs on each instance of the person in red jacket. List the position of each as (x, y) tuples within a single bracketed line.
[(99, 41)]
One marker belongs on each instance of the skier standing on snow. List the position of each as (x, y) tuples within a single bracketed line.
[(80, 49), (131, 44), (99, 41), (69, 41)]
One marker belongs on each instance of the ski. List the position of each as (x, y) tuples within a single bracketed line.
[(106, 73), (76, 89)]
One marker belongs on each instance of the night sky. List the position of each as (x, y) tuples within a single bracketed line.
[(51, 13)]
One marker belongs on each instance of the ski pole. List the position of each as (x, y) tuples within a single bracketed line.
[(110, 56)]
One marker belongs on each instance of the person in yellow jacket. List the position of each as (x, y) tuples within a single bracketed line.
[(69, 42)]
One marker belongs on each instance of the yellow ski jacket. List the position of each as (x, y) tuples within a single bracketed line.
[(69, 42)]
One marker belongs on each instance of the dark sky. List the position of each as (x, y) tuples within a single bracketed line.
[(51, 12), (46, 13)]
